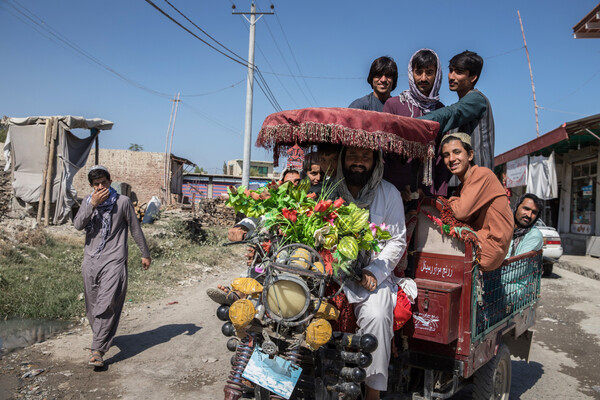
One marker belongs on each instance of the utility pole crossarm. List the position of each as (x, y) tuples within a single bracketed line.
[(249, 90)]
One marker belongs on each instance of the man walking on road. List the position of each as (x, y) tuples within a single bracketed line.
[(383, 78), (106, 217)]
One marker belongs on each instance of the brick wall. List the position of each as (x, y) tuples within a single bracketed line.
[(144, 171)]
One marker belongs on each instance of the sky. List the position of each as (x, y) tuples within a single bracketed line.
[(124, 61)]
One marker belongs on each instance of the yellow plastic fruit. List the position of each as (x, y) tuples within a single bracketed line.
[(300, 258), (319, 267), (248, 286), (327, 311), (318, 333), (241, 313)]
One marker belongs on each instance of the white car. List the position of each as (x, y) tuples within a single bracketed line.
[(552, 249)]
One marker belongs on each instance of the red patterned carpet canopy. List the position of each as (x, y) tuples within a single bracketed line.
[(349, 127)]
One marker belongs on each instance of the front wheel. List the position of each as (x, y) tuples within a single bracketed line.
[(492, 381), (260, 393), (548, 269)]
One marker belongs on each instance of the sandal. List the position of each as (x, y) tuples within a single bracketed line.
[(221, 296), (96, 360)]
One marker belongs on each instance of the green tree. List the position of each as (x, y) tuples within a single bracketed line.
[(199, 170), (3, 132), (135, 147), (224, 168)]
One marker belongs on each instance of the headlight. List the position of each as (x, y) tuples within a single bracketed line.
[(287, 297)]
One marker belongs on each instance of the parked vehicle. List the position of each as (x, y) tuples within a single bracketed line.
[(552, 249)]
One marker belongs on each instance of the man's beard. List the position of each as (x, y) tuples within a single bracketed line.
[(358, 178)]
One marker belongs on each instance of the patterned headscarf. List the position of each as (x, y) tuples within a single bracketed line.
[(417, 99), (102, 218)]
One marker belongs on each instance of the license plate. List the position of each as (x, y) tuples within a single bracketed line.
[(276, 374)]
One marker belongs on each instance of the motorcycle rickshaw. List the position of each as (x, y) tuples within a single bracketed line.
[(285, 333)]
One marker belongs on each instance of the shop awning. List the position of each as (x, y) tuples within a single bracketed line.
[(570, 135), (589, 26)]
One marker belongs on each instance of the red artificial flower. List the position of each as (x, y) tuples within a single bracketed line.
[(266, 246), (292, 215), (233, 190), (264, 195), (311, 195), (320, 207), (332, 216), (273, 185), (247, 192), (254, 195), (309, 213), (338, 203), (323, 205)]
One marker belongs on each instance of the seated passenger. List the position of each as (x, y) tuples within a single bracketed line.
[(360, 173), (526, 237), (290, 175), (311, 168), (479, 201)]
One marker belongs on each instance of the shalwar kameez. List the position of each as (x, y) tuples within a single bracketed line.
[(104, 267), (375, 310)]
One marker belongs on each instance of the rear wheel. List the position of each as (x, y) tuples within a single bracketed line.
[(548, 268), (492, 381)]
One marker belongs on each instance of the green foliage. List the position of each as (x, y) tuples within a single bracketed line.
[(45, 282), (135, 147), (299, 217), (199, 170), (3, 133)]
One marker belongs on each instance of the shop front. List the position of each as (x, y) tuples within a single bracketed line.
[(572, 150)]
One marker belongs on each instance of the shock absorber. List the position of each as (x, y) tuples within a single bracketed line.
[(233, 388)]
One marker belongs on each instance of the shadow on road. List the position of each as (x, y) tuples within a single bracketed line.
[(524, 377), (132, 345)]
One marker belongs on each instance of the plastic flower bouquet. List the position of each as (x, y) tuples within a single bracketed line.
[(331, 227)]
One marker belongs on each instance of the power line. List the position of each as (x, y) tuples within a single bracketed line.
[(266, 90), (294, 58), (214, 91), (74, 48)]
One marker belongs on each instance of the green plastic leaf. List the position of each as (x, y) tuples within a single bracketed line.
[(348, 247)]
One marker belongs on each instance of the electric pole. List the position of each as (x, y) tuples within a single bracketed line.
[(249, 89), (169, 147), (537, 124)]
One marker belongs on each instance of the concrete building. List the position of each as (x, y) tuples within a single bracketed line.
[(257, 169), (143, 171), (574, 213)]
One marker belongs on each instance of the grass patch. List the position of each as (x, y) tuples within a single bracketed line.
[(40, 275)]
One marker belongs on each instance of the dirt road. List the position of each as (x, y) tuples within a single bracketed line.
[(176, 351)]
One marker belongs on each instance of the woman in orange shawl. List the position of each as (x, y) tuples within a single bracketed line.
[(479, 201)]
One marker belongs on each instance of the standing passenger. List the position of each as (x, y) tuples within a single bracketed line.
[(422, 97), (383, 78), (106, 217), (472, 113)]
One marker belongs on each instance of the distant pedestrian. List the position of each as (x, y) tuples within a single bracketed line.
[(106, 217), (383, 78)]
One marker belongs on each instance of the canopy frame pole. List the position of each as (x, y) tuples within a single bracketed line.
[(49, 180), (47, 136)]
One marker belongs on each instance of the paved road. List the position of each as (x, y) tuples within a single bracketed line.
[(565, 355)]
